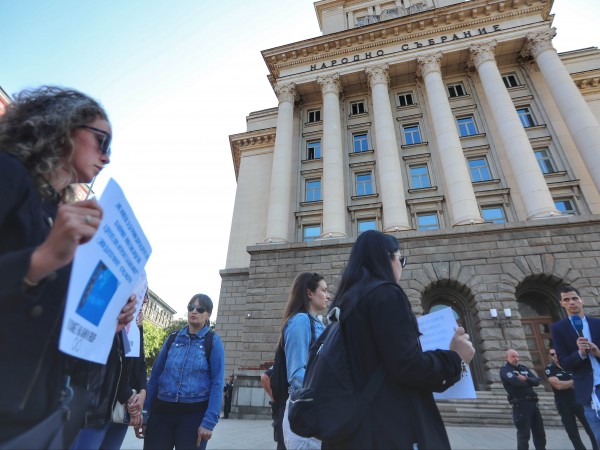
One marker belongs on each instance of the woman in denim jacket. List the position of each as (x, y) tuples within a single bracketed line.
[(184, 392), (308, 296)]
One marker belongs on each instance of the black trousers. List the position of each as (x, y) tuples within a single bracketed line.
[(569, 411), (528, 420)]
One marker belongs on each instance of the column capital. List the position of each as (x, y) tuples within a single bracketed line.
[(428, 64), (481, 53), (330, 84), (538, 42), (286, 92), (378, 74)]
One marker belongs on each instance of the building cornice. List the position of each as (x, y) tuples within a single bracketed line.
[(251, 140), (417, 26)]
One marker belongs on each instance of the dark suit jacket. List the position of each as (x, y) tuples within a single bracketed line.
[(565, 338)]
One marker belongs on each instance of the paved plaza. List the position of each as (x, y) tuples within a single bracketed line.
[(257, 434)]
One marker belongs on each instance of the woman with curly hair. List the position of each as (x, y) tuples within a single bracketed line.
[(50, 138)]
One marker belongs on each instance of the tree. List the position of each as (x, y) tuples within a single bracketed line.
[(176, 325), (154, 337)]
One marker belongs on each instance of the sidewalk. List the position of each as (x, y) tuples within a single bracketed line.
[(257, 434)]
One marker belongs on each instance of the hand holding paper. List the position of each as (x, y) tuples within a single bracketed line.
[(462, 345)]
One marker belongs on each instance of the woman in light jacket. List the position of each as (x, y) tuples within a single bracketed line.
[(185, 389), (308, 296)]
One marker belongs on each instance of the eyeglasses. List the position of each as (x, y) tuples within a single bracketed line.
[(403, 259), (200, 309), (103, 138), (552, 354)]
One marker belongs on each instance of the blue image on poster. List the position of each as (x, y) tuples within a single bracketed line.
[(98, 292)]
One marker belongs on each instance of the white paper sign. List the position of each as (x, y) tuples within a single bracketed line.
[(438, 328), (105, 272), (131, 329)]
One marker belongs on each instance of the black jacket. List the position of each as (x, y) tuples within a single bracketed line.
[(31, 368), (383, 331)]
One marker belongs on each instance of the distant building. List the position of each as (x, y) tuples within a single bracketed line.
[(158, 311)]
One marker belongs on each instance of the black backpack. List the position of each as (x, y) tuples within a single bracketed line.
[(279, 380), (208, 343), (328, 406)]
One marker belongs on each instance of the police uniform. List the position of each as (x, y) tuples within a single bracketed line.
[(568, 408), (522, 397)]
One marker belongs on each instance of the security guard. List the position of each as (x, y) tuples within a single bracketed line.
[(564, 399), (518, 381)]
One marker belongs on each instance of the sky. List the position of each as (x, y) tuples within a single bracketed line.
[(177, 78)]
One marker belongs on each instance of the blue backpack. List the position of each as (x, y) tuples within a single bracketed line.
[(328, 406)]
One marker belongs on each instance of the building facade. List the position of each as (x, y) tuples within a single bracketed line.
[(157, 311), (455, 126)]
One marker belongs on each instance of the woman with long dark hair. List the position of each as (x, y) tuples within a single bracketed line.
[(382, 333), (308, 296), (185, 389)]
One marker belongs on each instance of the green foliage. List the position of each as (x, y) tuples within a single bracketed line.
[(176, 325), (154, 337)]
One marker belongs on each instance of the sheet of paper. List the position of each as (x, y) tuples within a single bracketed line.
[(438, 328), (132, 331), (105, 272)]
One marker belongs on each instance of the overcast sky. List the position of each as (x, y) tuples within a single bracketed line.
[(177, 78)]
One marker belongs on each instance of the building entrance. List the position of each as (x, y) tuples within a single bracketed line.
[(537, 335)]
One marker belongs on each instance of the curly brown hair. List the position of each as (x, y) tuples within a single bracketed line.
[(37, 128)]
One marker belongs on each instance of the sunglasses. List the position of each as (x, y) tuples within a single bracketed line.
[(103, 138), (403, 259), (552, 354), (200, 309)]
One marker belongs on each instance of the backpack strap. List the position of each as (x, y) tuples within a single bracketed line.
[(208, 344), (312, 330), (170, 340)]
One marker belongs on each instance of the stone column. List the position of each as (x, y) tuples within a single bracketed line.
[(389, 170), (528, 175), (334, 199), (278, 219), (582, 124), (461, 200)]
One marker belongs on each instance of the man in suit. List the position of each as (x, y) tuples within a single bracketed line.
[(574, 341)]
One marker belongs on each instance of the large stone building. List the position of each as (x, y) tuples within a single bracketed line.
[(455, 126)]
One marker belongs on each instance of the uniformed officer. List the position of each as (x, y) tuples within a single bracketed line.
[(564, 399), (518, 381)]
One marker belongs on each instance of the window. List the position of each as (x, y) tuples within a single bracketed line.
[(565, 206), (419, 177), (366, 224), (361, 142), (412, 134), (364, 183), (493, 214), (456, 90), (479, 168), (526, 117), (427, 221), (544, 159), (311, 232), (357, 108), (314, 115), (313, 190), (405, 99), (510, 80), (313, 150), (466, 126)]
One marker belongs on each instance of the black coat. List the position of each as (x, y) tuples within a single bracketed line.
[(382, 331), (31, 368)]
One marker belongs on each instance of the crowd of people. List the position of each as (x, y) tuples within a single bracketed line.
[(52, 138)]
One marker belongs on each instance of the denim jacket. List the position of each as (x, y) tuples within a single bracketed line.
[(297, 337), (182, 374)]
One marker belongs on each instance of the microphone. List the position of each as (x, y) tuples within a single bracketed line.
[(578, 325)]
